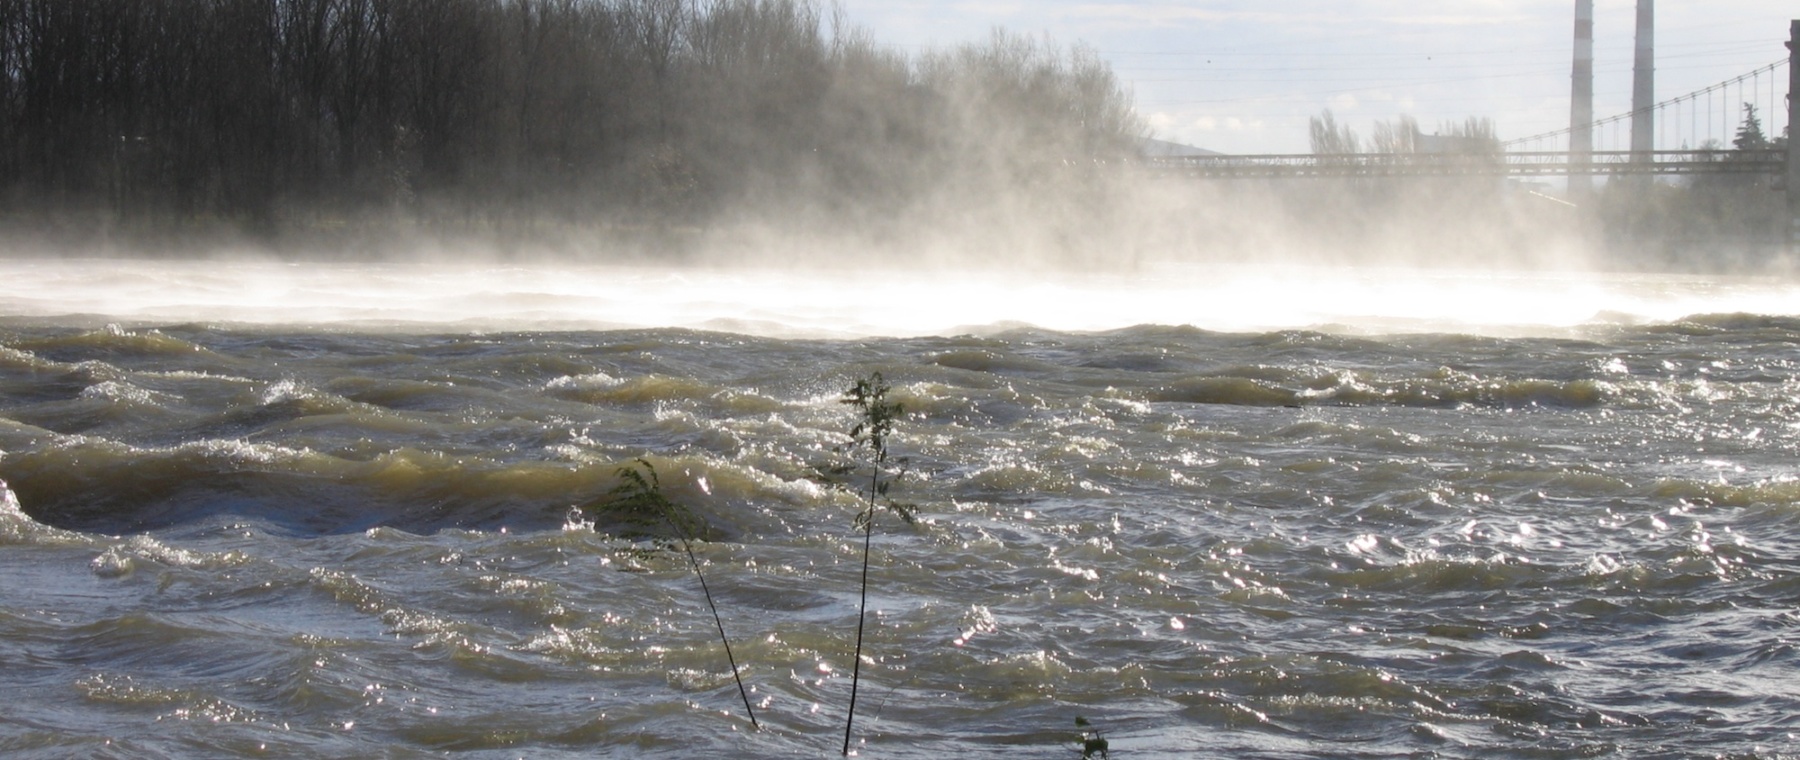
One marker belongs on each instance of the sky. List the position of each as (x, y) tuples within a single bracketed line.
[(1247, 76)]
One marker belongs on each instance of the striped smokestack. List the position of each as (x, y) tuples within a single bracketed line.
[(1581, 103), (1793, 135), (1643, 83)]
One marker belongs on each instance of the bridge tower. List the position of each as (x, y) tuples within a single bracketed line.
[(1581, 105)]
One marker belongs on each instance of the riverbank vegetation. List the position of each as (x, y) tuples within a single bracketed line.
[(334, 120), (670, 129), (1732, 219), (1727, 219)]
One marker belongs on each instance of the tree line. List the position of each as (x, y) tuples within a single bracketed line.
[(276, 115), (1709, 220), (1706, 220)]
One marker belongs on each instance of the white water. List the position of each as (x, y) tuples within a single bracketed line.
[(857, 302)]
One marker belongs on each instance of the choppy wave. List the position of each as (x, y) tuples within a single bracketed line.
[(227, 540)]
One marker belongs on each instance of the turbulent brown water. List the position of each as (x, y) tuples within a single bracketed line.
[(322, 512)]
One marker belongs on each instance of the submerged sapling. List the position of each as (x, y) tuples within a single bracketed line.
[(1093, 742), (875, 422), (638, 501)]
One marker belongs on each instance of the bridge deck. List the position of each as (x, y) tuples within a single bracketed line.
[(1510, 164)]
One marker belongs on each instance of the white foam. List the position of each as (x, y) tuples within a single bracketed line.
[(858, 302)]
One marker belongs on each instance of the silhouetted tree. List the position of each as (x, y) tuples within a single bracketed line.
[(1750, 132), (270, 115), (1331, 138)]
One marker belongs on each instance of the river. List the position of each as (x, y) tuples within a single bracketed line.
[(324, 510)]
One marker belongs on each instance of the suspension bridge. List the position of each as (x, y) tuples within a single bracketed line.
[(1767, 161), (1694, 134)]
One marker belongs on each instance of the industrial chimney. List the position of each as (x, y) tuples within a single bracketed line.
[(1643, 84), (1793, 143), (1581, 104)]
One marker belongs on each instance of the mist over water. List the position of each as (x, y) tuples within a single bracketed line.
[(876, 301)]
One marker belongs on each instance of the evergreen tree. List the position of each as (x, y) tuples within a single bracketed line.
[(1750, 133)]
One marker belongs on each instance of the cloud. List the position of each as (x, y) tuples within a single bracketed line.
[(1308, 13), (1160, 15), (991, 9), (1165, 122), (1443, 20), (1209, 123)]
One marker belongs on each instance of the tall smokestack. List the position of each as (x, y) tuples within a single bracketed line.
[(1643, 83), (1581, 103), (1793, 142)]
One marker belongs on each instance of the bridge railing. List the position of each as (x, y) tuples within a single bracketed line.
[(1522, 163)]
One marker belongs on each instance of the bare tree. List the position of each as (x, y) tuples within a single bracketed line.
[(268, 114), (1330, 138)]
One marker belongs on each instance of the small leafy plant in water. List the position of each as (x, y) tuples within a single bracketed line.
[(1093, 742), (638, 502), (875, 420)]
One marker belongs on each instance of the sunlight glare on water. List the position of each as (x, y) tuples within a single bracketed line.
[(845, 302)]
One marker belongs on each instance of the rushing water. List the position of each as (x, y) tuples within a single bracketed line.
[(324, 511)]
